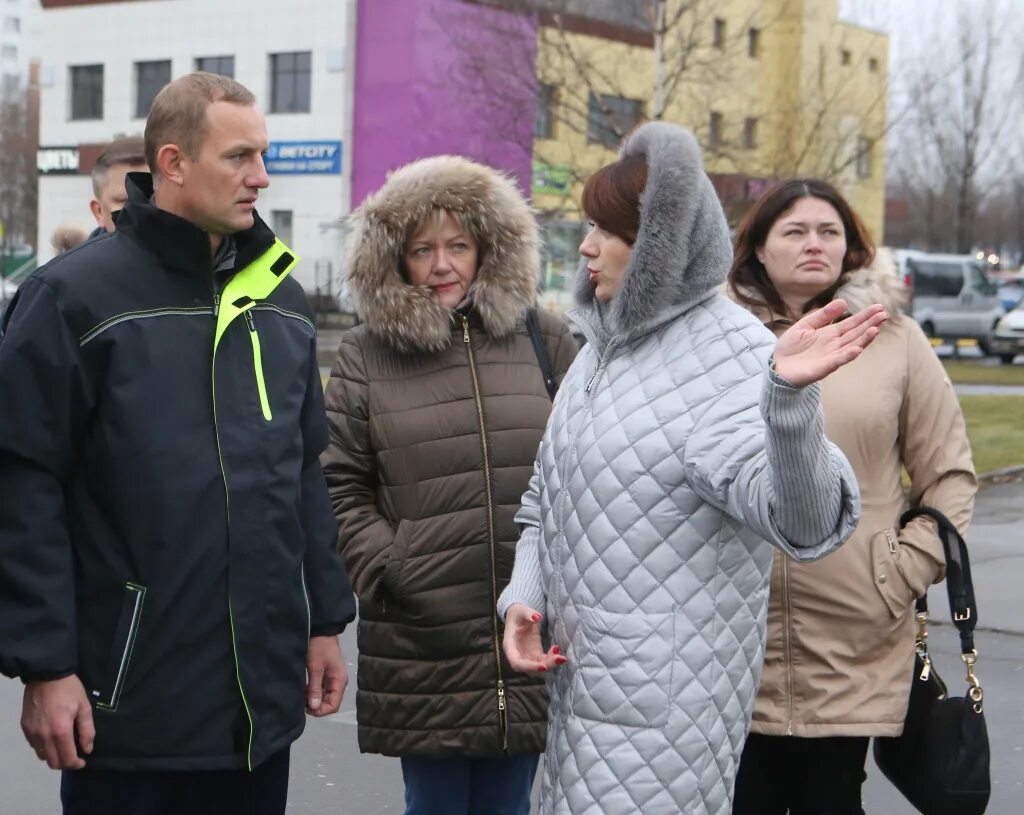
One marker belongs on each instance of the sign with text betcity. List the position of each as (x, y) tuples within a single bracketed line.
[(57, 160), (304, 158)]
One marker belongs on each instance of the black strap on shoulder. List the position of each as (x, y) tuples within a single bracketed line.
[(541, 350), (959, 585)]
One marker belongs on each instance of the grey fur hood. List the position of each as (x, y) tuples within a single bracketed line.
[(682, 251), (408, 317)]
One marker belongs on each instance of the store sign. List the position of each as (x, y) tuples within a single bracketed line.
[(57, 160), (304, 158)]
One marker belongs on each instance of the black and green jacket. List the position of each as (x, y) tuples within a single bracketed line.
[(165, 528)]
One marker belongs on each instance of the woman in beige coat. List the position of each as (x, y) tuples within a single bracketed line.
[(840, 639)]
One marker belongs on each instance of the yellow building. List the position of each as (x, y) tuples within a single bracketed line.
[(772, 89)]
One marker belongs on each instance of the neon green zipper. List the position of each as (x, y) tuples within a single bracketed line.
[(257, 362)]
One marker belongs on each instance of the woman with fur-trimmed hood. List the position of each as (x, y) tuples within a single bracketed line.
[(680, 451), (436, 405), (840, 647)]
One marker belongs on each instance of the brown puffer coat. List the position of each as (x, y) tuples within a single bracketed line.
[(840, 644), (435, 421)]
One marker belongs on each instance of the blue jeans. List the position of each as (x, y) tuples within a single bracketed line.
[(469, 786)]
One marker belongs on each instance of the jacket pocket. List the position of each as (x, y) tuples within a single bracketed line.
[(623, 665), (108, 696), (399, 549), (887, 572)]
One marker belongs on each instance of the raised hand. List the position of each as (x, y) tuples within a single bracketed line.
[(815, 346), (522, 642)]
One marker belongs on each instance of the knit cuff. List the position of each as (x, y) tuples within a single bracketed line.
[(527, 584)]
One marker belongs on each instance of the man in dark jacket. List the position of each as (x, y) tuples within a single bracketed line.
[(170, 592)]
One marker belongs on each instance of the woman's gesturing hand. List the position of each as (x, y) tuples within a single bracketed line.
[(522, 642), (815, 346)]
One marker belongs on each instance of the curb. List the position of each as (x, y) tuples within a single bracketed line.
[(1001, 476)]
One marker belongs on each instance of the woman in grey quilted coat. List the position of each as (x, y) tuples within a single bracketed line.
[(679, 452)]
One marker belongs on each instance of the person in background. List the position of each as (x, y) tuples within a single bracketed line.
[(66, 237), (170, 593), (840, 647), (436, 404), (684, 445), (119, 158)]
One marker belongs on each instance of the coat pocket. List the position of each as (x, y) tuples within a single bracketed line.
[(887, 572), (108, 695), (392, 580), (623, 666)]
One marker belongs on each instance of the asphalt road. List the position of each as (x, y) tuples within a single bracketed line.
[(330, 777)]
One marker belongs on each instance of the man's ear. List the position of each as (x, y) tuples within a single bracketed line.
[(97, 211), (169, 160)]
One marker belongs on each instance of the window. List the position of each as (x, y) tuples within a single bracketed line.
[(609, 118), (936, 278), (864, 157), (750, 134), (281, 223), (718, 33), (86, 92), (873, 65), (289, 82), (12, 25), (543, 117), (845, 57), (715, 131), (10, 82), (754, 43), (225, 66), (9, 53), (150, 77)]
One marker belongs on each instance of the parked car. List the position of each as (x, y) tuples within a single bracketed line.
[(1008, 340), (951, 297)]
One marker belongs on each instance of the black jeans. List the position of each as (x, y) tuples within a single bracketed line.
[(780, 774), (264, 791)]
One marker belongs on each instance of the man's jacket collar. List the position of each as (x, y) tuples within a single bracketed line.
[(181, 245)]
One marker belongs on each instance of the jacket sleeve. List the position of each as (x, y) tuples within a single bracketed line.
[(775, 472), (526, 585), (45, 404), (331, 602), (364, 535), (937, 454)]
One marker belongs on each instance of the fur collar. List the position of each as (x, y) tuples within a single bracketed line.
[(408, 317), (682, 251)]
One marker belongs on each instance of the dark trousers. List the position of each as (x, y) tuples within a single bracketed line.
[(780, 774), (264, 791), (469, 786)]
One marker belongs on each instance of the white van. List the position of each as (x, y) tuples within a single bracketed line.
[(951, 297)]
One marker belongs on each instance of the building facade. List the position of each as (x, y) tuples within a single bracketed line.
[(105, 60)]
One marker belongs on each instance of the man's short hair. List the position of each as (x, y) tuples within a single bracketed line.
[(130, 152), (178, 114)]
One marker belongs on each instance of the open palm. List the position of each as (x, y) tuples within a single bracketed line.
[(815, 346)]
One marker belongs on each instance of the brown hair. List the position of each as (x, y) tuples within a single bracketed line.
[(748, 280), (611, 197), (178, 114), (124, 151)]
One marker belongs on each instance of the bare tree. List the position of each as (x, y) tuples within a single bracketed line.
[(954, 148), (19, 139)]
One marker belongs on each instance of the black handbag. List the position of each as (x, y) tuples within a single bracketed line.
[(941, 761), (541, 350)]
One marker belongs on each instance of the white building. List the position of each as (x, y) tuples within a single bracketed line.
[(16, 28), (103, 62)]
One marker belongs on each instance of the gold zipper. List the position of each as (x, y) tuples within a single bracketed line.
[(502, 707), (894, 550)]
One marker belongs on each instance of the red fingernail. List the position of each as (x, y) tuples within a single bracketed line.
[(536, 618), (561, 661), (541, 668), (555, 649)]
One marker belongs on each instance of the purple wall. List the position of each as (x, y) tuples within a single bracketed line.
[(441, 76)]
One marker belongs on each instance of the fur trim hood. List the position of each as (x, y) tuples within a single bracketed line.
[(408, 317), (682, 251)]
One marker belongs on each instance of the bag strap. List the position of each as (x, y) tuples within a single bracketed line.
[(959, 586), (541, 350)]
